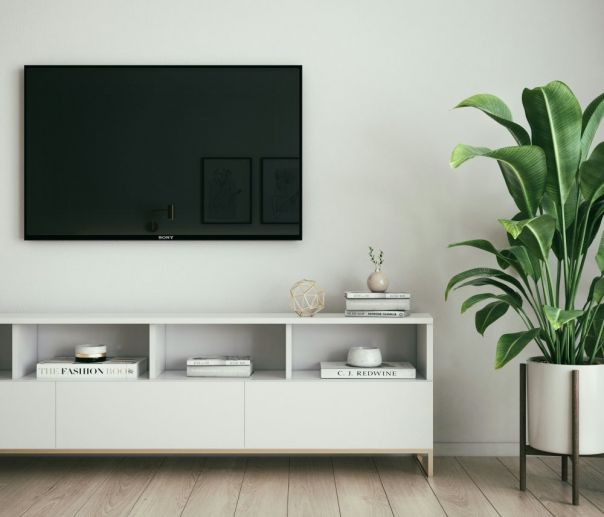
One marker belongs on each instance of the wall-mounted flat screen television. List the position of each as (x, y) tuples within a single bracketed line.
[(163, 152)]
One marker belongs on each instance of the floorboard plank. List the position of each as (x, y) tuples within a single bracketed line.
[(29, 484), (312, 488), (360, 491), (217, 488), (264, 489), (302, 486), (169, 490), (74, 488), (500, 487), (547, 486), (407, 488), (596, 463), (591, 482), (10, 466), (456, 491), (120, 491)]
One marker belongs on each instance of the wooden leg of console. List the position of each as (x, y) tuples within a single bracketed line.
[(426, 462)]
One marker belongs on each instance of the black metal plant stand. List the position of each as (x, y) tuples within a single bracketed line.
[(527, 450)]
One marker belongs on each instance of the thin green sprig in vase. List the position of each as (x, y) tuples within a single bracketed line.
[(558, 188), (376, 258)]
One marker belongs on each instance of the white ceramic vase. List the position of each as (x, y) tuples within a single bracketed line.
[(549, 405), (377, 281)]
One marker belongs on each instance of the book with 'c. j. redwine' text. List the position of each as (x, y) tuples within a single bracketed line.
[(387, 370)]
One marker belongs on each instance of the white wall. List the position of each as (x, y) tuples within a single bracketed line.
[(380, 78)]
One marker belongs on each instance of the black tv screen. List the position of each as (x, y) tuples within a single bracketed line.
[(163, 152)]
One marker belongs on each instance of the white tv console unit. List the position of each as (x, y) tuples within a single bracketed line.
[(285, 407)]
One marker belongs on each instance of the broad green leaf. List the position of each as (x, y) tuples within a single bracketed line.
[(557, 247), (594, 213), (512, 241), (495, 108), (484, 245), (489, 314), (550, 207), (559, 317), (594, 221), (479, 272), (507, 259), (535, 260), (598, 290), (535, 233), (592, 117), (510, 345), (591, 175), (464, 275), (481, 244), (524, 171), (554, 115), (514, 228), (462, 153), (513, 301), (591, 339), (571, 240), (474, 299), (482, 281), (523, 262), (513, 182), (600, 254), (570, 207), (592, 286)]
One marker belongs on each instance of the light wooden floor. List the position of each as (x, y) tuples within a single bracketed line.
[(296, 486)]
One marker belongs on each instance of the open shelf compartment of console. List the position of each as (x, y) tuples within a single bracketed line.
[(313, 344), (171, 346), (33, 343)]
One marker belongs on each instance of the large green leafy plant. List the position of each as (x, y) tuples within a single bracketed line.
[(558, 187)]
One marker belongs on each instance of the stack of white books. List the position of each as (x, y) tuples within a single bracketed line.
[(387, 370), (112, 369), (377, 305), (220, 366)]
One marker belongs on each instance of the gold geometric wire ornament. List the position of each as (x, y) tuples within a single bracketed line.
[(306, 298)]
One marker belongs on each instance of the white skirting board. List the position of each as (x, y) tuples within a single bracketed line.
[(441, 449), (475, 449)]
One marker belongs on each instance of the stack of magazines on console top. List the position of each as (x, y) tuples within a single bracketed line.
[(220, 366), (377, 305)]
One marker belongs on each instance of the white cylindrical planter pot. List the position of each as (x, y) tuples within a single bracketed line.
[(549, 406)]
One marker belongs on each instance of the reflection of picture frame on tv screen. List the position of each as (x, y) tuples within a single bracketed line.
[(281, 194), (162, 152), (226, 187)]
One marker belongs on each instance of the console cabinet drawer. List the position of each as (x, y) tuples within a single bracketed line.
[(338, 415), (27, 410), (150, 415)]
